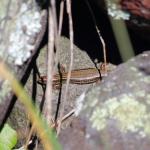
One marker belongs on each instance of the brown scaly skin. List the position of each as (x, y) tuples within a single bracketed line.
[(80, 76)]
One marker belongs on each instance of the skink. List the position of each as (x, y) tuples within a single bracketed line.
[(79, 76)]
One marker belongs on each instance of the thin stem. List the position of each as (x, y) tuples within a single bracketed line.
[(99, 33), (48, 105), (71, 35), (121, 35), (61, 17)]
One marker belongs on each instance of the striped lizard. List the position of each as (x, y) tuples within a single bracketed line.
[(80, 76)]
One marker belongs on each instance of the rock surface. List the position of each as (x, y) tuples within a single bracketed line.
[(22, 26), (137, 7), (116, 114), (81, 60), (19, 120)]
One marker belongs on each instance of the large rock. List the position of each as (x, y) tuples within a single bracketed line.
[(116, 114), (22, 26)]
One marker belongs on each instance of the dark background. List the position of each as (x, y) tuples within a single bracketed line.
[(86, 37)]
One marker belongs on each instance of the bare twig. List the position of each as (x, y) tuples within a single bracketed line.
[(51, 38), (61, 17), (99, 34), (29, 137), (53, 42), (63, 118), (68, 115), (58, 33), (71, 34)]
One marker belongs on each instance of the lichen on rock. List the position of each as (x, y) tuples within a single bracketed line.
[(19, 26), (114, 10), (122, 99), (129, 114)]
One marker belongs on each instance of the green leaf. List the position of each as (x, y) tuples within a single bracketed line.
[(8, 138)]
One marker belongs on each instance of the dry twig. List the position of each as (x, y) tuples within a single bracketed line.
[(71, 35), (99, 34), (61, 17), (51, 40)]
